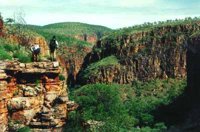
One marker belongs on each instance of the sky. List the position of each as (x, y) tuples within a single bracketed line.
[(111, 13)]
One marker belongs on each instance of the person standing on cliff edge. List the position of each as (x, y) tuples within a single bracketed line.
[(53, 45)]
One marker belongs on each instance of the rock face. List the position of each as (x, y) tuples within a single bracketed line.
[(1, 26), (193, 66), (32, 95), (88, 38), (71, 59), (159, 52), (42, 43)]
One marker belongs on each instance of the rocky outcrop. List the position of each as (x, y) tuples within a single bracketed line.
[(88, 38), (32, 95), (1, 26), (158, 52)]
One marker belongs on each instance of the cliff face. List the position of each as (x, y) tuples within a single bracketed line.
[(88, 38), (159, 52), (32, 95), (193, 66), (1, 27), (71, 59)]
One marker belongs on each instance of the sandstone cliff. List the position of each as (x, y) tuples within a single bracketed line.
[(157, 52), (88, 38), (32, 95), (71, 59), (1, 27)]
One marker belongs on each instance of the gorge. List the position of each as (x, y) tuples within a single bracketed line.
[(131, 79)]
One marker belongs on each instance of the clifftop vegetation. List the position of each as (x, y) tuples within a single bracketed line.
[(150, 26)]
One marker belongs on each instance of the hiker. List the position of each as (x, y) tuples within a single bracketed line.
[(53, 46), (35, 49)]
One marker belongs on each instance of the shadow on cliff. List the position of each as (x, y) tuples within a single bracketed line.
[(184, 113)]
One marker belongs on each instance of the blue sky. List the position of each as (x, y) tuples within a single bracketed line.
[(110, 13)]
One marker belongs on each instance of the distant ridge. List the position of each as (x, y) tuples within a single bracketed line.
[(72, 28)]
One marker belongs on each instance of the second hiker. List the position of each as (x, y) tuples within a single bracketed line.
[(53, 46)]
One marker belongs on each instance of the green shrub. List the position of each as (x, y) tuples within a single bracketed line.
[(9, 50), (61, 77), (22, 56), (102, 102), (24, 129), (10, 47), (4, 55)]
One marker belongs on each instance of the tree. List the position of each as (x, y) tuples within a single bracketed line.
[(16, 26), (19, 21), (9, 21)]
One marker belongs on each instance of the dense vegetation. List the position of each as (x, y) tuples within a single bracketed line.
[(10, 50), (74, 28), (114, 107)]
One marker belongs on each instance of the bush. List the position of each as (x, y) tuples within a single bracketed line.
[(10, 47), (23, 56), (125, 107), (10, 50), (24, 129), (102, 103), (61, 77), (4, 55)]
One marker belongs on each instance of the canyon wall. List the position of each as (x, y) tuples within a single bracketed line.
[(88, 38), (193, 66), (157, 52), (71, 59), (1, 26), (32, 95)]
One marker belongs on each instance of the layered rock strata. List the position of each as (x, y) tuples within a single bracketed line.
[(32, 95)]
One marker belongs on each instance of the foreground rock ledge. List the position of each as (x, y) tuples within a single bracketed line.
[(32, 95)]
